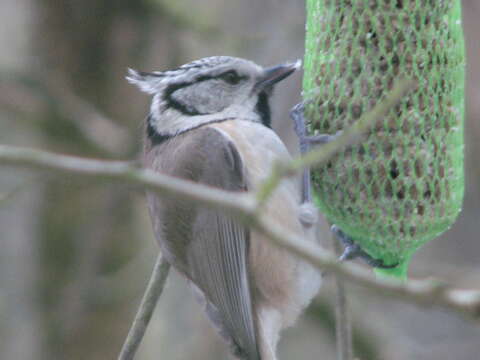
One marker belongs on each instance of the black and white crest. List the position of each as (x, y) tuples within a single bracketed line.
[(209, 90)]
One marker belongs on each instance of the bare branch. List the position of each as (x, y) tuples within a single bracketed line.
[(145, 311), (127, 172), (343, 322), (420, 292)]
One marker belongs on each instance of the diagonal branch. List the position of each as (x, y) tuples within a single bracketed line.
[(349, 137), (343, 322), (419, 292), (145, 311)]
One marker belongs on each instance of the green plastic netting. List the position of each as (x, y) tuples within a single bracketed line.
[(404, 184)]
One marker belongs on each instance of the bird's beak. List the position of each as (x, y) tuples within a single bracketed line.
[(275, 74)]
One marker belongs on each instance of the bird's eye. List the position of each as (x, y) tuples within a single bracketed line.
[(231, 77)]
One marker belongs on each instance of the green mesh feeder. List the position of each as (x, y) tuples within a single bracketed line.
[(403, 185)]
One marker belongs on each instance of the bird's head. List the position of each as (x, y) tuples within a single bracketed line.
[(208, 90)]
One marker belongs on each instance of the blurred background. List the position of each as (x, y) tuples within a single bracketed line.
[(76, 256)]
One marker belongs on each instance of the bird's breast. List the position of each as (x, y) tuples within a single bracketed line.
[(258, 146)]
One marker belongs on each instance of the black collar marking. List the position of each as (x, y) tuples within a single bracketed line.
[(154, 136)]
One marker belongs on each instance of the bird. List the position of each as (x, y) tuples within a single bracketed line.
[(210, 123)]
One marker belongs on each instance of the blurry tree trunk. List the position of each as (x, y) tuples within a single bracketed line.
[(86, 230), (21, 322), (21, 335)]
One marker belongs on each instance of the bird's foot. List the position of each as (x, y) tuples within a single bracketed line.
[(299, 125), (297, 114), (322, 139), (354, 251)]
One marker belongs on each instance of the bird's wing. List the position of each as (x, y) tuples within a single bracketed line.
[(218, 259), (215, 255)]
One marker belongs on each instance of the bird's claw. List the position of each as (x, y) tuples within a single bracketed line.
[(297, 115), (353, 251)]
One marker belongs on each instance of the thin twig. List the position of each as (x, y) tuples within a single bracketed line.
[(420, 292), (145, 311), (343, 324)]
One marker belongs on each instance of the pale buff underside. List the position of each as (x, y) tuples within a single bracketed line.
[(291, 286)]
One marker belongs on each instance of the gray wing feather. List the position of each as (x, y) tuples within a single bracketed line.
[(209, 246), (218, 260)]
